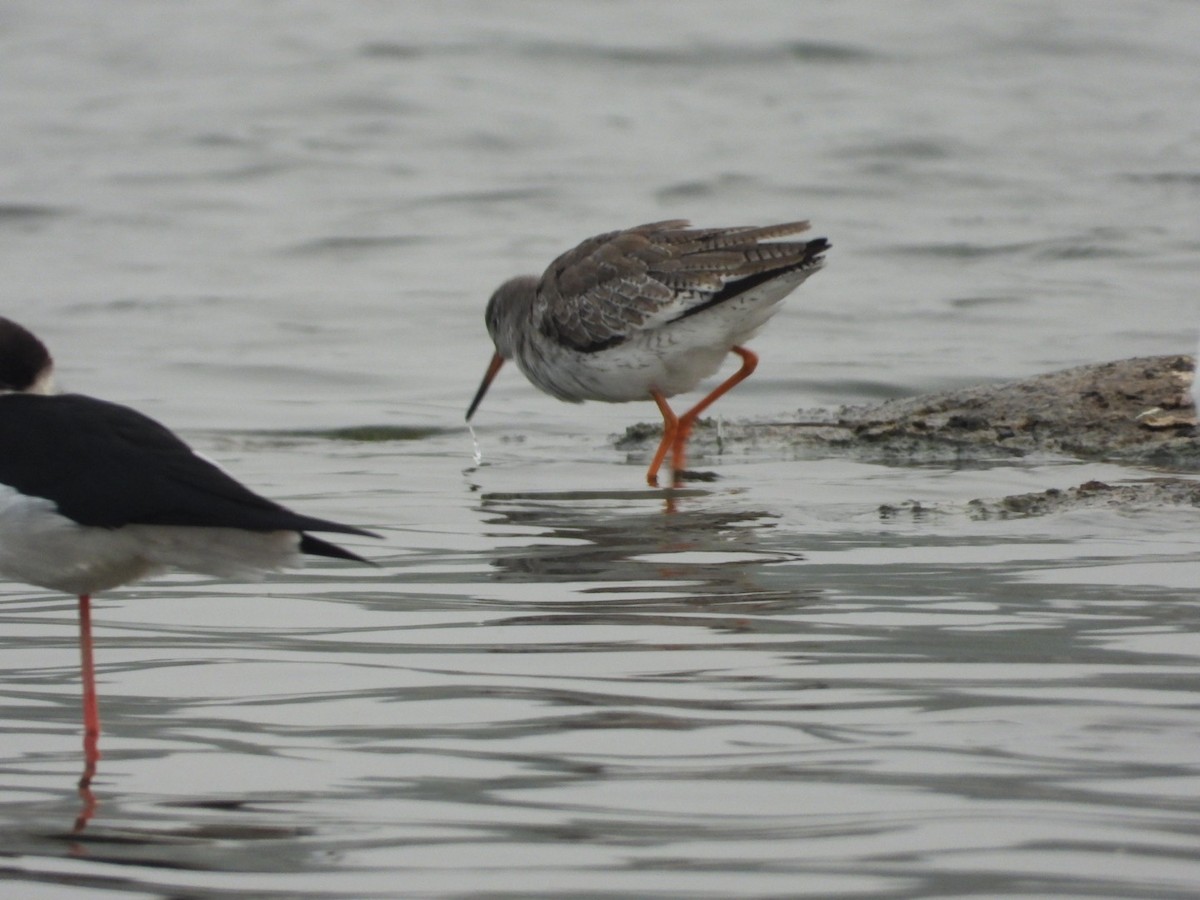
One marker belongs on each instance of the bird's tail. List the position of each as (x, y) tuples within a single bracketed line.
[(314, 546)]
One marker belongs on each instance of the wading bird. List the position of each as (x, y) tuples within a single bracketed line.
[(647, 313), (94, 495)]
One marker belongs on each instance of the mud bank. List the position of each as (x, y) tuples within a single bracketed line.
[(1135, 411)]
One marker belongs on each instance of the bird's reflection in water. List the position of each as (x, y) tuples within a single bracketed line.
[(689, 556), (87, 801)]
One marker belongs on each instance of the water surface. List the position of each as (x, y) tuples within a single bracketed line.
[(274, 227)]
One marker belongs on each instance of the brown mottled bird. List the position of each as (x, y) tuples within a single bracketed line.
[(646, 313)]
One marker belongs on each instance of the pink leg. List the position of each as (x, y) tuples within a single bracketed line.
[(670, 423), (91, 716), (688, 419), (91, 710)]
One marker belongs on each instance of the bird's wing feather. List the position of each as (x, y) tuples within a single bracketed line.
[(617, 284), (107, 466)]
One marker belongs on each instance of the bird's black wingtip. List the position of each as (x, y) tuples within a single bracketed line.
[(314, 546)]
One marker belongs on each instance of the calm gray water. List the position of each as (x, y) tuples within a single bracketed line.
[(264, 222)]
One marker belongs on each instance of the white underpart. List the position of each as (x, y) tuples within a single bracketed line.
[(42, 547), (44, 383), (671, 359)]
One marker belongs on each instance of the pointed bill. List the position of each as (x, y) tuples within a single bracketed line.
[(493, 368)]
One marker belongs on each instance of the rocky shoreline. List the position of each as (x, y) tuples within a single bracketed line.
[(1137, 412)]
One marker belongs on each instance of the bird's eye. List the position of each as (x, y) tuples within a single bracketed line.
[(491, 317)]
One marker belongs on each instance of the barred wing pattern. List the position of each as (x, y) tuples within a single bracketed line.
[(614, 285)]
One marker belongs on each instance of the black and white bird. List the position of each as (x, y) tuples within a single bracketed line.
[(94, 495)]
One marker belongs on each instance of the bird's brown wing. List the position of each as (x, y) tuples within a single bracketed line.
[(614, 285)]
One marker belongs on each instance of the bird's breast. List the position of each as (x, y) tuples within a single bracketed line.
[(661, 359)]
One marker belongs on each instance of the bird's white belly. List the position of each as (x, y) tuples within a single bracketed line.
[(627, 372), (42, 547), (671, 359)]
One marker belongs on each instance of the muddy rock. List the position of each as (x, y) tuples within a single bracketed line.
[(1137, 411), (1145, 493)]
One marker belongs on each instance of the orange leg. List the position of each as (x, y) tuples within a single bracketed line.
[(684, 428), (91, 710), (670, 423)]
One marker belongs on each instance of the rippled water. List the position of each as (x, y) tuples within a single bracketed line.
[(274, 226)]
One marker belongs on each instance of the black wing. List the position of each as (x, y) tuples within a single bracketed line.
[(107, 465)]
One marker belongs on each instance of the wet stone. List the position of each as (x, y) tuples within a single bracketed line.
[(1136, 411), (1147, 494)]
